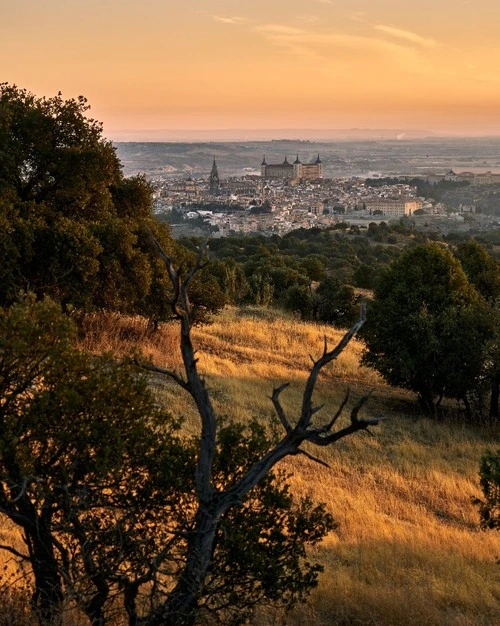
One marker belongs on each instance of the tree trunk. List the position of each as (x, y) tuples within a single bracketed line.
[(426, 402), (48, 596), (181, 606)]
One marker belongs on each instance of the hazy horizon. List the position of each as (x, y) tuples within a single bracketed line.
[(285, 134)]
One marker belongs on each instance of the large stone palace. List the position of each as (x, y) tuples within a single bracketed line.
[(296, 170)]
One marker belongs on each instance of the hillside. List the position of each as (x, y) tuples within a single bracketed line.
[(407, 549)]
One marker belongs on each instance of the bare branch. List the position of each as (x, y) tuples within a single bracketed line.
[(331, 423), (15, 552), (313, 458), (327, 357), (22, 491), (317, 409), (279, 409), (194, 383), (354, 427), (198, 265), (160, 370), (357, 407)]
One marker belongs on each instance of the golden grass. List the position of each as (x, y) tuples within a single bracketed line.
[(407, 550)]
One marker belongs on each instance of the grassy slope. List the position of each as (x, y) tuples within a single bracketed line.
[(407, 549)]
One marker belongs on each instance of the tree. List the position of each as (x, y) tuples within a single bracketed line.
[(428, 327), (64, 200), (336, 303), (101, 483), (483, 271), (215, 502), (78, 438), (489, 508), (298, 298)]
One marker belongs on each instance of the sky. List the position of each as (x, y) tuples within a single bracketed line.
[(156, 65)]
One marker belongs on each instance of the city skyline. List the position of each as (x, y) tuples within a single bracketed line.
[(209, 65)]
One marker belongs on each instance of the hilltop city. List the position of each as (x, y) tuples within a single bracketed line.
[(296, 194)]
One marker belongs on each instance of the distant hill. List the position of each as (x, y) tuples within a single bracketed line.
[(393, 152), (268, 134)]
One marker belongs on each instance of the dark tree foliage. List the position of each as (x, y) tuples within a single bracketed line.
[(428, 327), (483, 271), (489, 508), (72, 226), (102, 485), (336, 303), (79, 438), (298, 299)]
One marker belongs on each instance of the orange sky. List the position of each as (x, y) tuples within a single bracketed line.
[(200, 64)]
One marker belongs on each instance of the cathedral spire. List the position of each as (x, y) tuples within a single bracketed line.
[(214, 182)]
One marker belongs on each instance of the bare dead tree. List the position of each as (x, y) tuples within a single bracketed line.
[(180, 607)]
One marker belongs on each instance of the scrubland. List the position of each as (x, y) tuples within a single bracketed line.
[(407, 549)]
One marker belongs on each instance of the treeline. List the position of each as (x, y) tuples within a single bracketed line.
[(303, 271), (314, 272)]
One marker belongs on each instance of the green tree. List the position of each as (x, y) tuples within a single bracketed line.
[(336, 303), (298, 298), (428, 327), (102, 485), (489, 473), (73, 227), (79, 438), (483, 271)]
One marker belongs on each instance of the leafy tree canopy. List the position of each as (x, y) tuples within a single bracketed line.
[(72, 226), (489, 473), (428, 326), (101, 483)]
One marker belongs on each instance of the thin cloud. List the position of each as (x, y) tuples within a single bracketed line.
[(406, 35), (276, 31), (341, 48), (307, 19), (229, 20), (358, 16)]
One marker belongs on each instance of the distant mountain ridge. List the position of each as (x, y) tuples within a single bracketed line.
[(269, 134)]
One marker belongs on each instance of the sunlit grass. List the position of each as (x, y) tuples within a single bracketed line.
[(407, 550)]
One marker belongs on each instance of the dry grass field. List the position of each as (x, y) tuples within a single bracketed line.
[(407, 550)]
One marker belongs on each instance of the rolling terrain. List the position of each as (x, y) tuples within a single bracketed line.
[(407, 549)]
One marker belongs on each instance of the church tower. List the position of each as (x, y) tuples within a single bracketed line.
[(297, 168), (319, 164), (214, 182)]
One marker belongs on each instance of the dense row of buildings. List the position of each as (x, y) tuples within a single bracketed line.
[(294, 195)]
